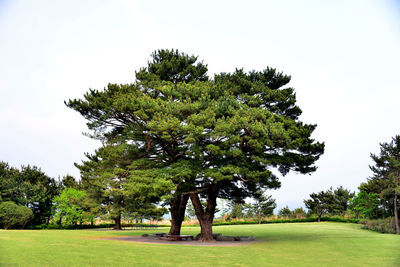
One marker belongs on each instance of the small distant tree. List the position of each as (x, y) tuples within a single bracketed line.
[(263, 206), (157, 213), (68, 206), (13, 215), (365, 204), (285, 212), (190, 212), (235, 210), (299, 213), (320, 203), (342, 199)]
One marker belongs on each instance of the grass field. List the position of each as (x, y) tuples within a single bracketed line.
[(295, 244)]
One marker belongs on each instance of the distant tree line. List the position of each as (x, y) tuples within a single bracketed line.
[(29, 197), (257, 209), (377, 198), (333, 202), (330, 202), (26, 196)]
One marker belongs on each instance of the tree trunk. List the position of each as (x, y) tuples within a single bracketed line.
[(396, 215), (259, 219), (206, 216), (177, 209), (117, 220), (206, 234), (319, 217)]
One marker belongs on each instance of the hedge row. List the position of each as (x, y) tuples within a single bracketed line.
[(88, 226), (323, 219), (381, 225), (142, 225)]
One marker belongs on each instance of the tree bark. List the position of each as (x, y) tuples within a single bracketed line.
[(177, 209), (117, 220), (319, 217), (205, 216), (396, 216)]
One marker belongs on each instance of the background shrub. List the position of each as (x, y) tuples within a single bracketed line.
[(13, 215), (380, 225)]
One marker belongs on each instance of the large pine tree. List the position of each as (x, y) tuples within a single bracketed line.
[(210, 138)]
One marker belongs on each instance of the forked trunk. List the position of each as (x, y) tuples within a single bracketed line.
[(205, 216), (177, 209), (117, 220)]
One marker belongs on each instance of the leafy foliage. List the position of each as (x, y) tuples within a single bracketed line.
[(298, 213), (68, 206), (342, 199), (13, 215), (173, 66), (320, 203), (116, 185), (263, 206), (380, 225), (29, 187), (235, 210), (285, 212), (333, 202), (365, 204)]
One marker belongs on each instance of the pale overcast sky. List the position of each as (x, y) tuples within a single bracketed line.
[(343, 57)]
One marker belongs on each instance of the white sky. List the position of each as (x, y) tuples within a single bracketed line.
[(343, 57)]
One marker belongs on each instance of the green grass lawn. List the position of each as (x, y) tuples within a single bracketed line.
[(294, 244)]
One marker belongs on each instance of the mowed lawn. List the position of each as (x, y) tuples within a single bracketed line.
[(295, 244)]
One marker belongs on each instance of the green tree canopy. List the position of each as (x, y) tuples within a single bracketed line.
[(285, 212), (321, 203), (263, 206), (172, 66), (68, 206), (29, 187), (116, 184), (365, 204), (341, 200), (299, 213), (13, 215)]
